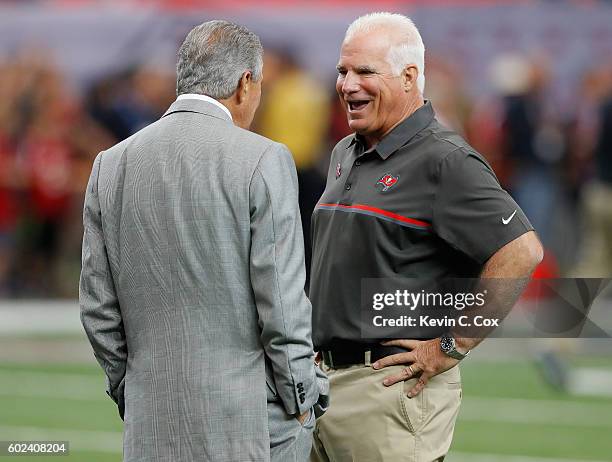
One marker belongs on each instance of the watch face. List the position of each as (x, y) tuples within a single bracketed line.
[(447, 343)]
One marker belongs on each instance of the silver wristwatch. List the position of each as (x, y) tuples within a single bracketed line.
[(449, 347)]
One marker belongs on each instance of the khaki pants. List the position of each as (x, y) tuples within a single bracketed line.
[(596, 260), (368, 422)]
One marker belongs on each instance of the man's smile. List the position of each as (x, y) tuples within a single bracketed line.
[(356, 106)]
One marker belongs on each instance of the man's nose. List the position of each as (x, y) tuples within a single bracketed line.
[(351, 83)]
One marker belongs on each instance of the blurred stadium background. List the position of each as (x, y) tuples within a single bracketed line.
[(528, 83)]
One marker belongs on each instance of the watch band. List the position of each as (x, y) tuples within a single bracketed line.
[(449, 347)]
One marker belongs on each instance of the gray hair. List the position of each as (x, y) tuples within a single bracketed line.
[(213, 58), (410, 50)]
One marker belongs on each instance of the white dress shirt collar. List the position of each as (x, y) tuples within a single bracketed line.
[(207, 99)]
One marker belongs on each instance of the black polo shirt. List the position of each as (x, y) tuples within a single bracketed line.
[(420, 204)]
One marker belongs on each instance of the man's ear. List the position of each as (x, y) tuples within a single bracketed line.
[(244, 86), (409, 77)]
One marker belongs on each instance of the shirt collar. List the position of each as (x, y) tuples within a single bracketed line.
[(207, 99), (402, 133)]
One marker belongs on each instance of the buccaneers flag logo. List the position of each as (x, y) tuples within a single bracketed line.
[(387, 181)]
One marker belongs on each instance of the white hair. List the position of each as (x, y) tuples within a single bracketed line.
[(410, 49)]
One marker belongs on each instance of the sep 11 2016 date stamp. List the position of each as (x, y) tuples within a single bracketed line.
[(34, 448)]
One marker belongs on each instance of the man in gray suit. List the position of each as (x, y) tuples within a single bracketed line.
[(192, 282)]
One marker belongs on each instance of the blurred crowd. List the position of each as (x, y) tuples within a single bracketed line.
[(555, 161)]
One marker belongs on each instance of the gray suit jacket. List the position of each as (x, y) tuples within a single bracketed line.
[(191, 289)]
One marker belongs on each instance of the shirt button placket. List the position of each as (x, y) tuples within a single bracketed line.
[(348, 185)]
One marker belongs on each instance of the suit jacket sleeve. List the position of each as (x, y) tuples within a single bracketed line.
[(100, 313), (278, 277)]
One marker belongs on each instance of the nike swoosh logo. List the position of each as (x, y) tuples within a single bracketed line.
[(505, 221)]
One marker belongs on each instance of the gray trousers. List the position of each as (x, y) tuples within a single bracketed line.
[(289, 441)]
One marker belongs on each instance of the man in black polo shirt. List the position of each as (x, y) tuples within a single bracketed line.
[(407, 198)]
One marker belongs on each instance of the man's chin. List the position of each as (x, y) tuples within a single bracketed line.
[(357, 125)]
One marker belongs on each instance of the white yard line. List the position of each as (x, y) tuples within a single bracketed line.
[(79, 440), (590, 381), (525, 411), (36, 317)]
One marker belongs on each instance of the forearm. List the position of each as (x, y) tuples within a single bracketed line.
[(503, 278)]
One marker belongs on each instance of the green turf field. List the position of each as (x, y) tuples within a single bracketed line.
[(507, 414)]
